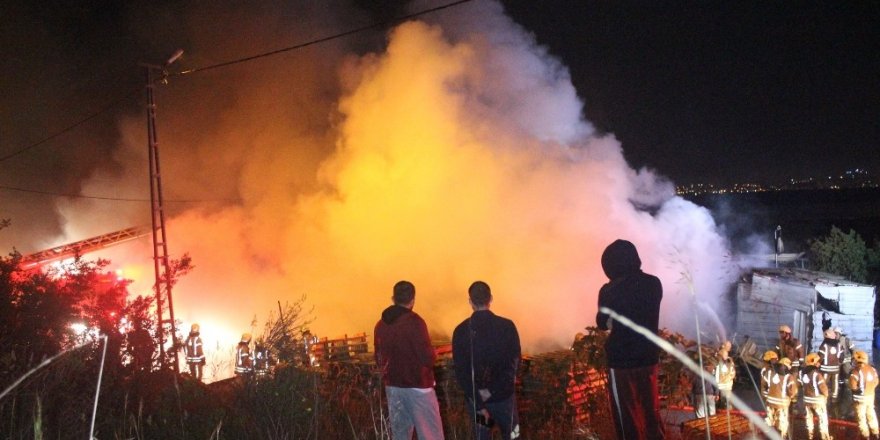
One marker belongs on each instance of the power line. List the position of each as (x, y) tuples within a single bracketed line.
[(323, 39), (115, 199), (94, 115)]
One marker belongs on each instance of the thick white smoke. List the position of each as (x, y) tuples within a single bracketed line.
[(457, 152)]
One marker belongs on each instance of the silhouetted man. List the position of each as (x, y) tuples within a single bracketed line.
[(632, 358)]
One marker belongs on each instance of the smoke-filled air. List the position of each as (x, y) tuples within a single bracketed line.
[(453, 150)]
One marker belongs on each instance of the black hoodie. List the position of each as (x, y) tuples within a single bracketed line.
[(635, 295)]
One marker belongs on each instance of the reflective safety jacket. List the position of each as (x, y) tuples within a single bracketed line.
[(244, 363), (783, 388), (814, 386), (261, 361), (791, 349), (830, 356), (862, 382), (193, 349), (725, 372), (766, 374)]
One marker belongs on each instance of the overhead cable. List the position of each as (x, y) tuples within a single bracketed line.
[(323, 39)]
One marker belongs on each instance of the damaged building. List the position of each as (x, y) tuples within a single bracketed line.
[(806, 301)]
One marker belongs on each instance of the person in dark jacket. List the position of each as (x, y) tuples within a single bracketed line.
[(406, 359), (632, 358), (486, 353)]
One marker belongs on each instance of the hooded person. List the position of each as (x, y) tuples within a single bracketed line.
[(406, 358), (632, 358)]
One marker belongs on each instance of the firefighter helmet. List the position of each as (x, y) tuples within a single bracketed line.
[(785, 361), (860, 357), (812, 359), (725, 346), (245, 337), (194, 328), (770, 356), (784, 329)]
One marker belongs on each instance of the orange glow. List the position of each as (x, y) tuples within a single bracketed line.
[(452, 156)]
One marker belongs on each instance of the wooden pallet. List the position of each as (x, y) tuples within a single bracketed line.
[(740, 428)]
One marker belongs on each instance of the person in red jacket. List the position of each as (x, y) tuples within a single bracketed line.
[(406, 359)]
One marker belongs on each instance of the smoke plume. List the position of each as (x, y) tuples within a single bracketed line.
[(455, 150)]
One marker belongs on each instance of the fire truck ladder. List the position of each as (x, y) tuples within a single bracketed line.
[(39, 259)]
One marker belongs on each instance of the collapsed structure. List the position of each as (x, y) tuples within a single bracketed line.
[(801, 299)]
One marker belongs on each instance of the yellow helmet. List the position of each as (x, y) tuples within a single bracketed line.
[(725, 346), (245, 337), (860, 357), (785, 361), (770, 355), (194, 328), (812, 359), (784, 329)]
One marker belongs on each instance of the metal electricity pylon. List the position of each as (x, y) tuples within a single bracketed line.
[(161, 262)]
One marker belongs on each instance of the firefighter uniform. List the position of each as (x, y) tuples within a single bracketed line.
[(195, 355), (725, 372), (790, 347), (830, 358), (862, 382), (782, 390), (244, 362), (261, 360), (770, 359), (815, 396)]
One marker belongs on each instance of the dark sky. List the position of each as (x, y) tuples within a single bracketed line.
[(716, 92), (724, 91)]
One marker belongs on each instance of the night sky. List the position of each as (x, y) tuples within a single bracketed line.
[(717, 92), (724, 92), (700, 91)]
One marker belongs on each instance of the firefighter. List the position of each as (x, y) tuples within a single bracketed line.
[(830, 358), (195, 356), (790, 347), (261, 360), (815, 396), (244, 363), (783, 389), (862, 382), (770, 360), (725, 372), (847, 347)]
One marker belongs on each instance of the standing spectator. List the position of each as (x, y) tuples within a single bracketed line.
[(406, 359), (195, 355), (632, 358), (863, 383), (244, 362), (815, 396), (486, 353)]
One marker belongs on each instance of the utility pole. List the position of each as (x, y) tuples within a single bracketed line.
[(160, 242)]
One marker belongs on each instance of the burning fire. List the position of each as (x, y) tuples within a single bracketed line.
[(458, 152)]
